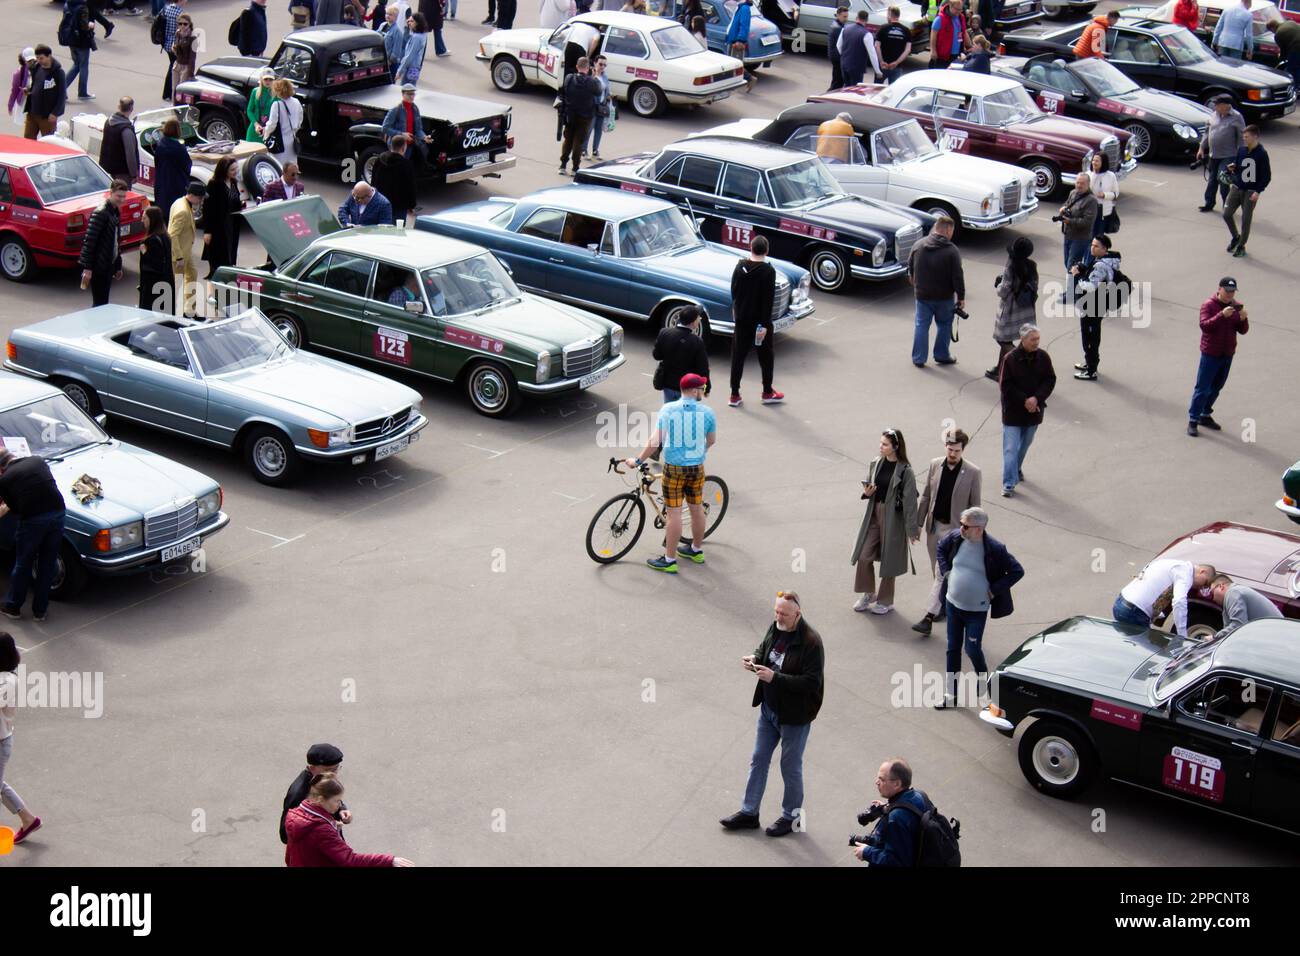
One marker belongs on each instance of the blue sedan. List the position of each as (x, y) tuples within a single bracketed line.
[(764, 36), (621, 253)]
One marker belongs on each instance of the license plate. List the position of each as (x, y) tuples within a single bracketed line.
[(124, 230), (1290, 108), (783, 323), (477, 159), (177, 550), (392, 448), (595, 378), (721, 96), (768, 41)]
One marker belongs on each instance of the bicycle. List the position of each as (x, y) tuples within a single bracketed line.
[(618, 524)]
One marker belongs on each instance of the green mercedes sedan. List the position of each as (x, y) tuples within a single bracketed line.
[(412, 300)]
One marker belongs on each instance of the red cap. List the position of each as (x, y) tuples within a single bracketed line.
[(691, 380)]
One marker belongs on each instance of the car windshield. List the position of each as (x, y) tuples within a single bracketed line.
[(655, 234), (246, 341), (903, 143), (675, 41), (52, 428), (1188, 665), (1183, 46), (802, 183), (471, 285), (68, 178), (1012, 105), (1103, 77)]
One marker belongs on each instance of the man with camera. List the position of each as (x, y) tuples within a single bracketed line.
[(1224, 135), (1223, 318), (935, 272), (1077, 218), (895, 841)]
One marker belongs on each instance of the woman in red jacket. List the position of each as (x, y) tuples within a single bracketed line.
[(314, 835), (1187, 13)]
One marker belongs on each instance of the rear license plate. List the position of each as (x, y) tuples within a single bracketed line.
[(392, 448), (721, 96), (768, 41), (477, 159), (783, 323), (595, 378), (124, 230), (178, 550)]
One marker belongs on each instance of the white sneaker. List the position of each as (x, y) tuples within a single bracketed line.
[(864, 602), (875, 608)]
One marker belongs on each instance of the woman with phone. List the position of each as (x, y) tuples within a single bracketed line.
[(888, 525)]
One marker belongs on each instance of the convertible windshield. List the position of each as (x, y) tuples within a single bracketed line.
[(1183, 46), (1104, 78), (1182, 669), (51, 427), (1012, 105), (244, 342), (903, 143), (655, 234), (68, 178), (802, 183), (470, 285), (675, 41)]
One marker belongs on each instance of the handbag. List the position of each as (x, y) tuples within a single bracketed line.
[(1111, 223), (274, 140), (611, 118)]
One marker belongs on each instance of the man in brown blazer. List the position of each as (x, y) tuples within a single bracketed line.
[(181, 230), (951, 486)]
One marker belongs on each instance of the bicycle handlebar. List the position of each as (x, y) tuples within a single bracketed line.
[(615, 463)]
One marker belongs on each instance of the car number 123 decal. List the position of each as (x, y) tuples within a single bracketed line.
[(392, 345), (1196, 775)]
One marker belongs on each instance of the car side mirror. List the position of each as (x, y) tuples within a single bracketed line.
[(102, 420), (415, 307), (699, 223), (1080, 96), (593, 248)]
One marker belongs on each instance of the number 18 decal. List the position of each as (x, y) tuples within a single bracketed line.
[(392, 345), (1197, 775)]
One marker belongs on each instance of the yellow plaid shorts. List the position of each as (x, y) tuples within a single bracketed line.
[(683, 481)]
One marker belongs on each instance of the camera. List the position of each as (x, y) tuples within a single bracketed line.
[(854, 839), (1058, 219), (872, 812), (1197, 163), (961, 313)]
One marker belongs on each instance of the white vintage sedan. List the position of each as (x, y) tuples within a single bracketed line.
[(892, 159), (652, 62)]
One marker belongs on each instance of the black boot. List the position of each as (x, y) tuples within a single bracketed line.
[(923, 626)]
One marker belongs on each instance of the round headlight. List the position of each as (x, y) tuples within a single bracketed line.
[(805, 287), (1184, 131), (616, 340), (878, 253)]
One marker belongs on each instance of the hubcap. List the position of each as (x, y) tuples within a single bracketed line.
[(1141, 140), (269, 456), (265, 174), (489, 389), (368, 170), (1056, 760), (827, 270), (220, 130), (1044, 181), (646, 100), (506, 75), (13, 259), (78, 396), (1200, 632), (289, 330)]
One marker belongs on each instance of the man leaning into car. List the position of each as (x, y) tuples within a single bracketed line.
[(28, 490), (1240, 604), (1162, 587)]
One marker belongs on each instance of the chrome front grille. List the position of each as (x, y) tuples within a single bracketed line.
[(1110, 146), (781, 301), (382, 427), (585, 356), (904, 240), (164, 526), (1281, 92), (1011, 197)]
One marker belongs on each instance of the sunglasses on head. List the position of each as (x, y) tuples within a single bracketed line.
[(789, 596)]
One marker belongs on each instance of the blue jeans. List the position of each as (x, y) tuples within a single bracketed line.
[(792, 738), (1125, 613), (439, 48), (597, 130), (80, 69), (891, 75), (1076, 251), (1016, 440), (671, 395), (940, 310), (156, 7), (36, 542), (964, 627), (1212, 167), (1211, 376), (451, 8)]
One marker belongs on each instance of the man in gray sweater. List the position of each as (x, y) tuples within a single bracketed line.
[(1078, 216), (1219, 145), (934, 269), (1240, 604)]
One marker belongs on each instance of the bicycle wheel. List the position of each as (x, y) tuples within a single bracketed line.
[(616, 527), (716, 497)]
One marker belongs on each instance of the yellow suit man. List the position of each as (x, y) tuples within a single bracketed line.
[(181, 230)]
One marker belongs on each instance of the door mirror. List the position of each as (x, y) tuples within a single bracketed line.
[(415, 307), (593, 248), (1079, 95), (698, 222), (102, 419)]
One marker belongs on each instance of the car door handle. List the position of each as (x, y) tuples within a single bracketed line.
[(722, 208), (555, 260), (1244, 745), (118, 370), (301, 297), (658, 192)]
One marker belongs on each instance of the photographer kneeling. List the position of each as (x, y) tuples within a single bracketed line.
[(895, 840)]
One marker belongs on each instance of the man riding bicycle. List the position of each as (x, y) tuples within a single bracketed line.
[(686, 430)]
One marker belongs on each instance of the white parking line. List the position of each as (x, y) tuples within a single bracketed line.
[(491, 451), (572, 500), (283, 541), (1151, 181)]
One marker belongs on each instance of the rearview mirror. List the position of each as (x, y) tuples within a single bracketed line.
[(415, 307)]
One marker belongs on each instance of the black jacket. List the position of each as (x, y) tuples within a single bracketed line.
[(219, 221), (296, 794), (1000, 567), (49, 94), (171, 167), (394, 177), (83, 37), (432, 10), (797, 688), (580, 93), (935, 269), (252, 31), (681, 351), (753, 293), (99, 251), (1024, 374), (118, 153)]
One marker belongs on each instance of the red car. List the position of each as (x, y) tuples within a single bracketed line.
[(47, 194), (1266, 560), (995, 117)]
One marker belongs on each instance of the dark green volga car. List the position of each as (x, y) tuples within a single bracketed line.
[(441, 307)]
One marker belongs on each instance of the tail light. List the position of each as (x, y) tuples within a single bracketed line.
[(510, 142), (76, 223), (1286, 499), (442, 159), (702, 80), (739, 71), (1002, 49), (11, 351)]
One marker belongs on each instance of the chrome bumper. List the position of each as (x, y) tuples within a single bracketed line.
[(15, 367), (1126, 168), (997, 222), (136, 559), (709, 97), (877, 273), (473, 172), (568, 384), (1291, 511), (331, 454)]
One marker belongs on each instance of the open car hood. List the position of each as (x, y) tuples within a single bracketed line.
[(287, 227)]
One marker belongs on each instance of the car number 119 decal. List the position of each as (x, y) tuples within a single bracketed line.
[(1196, 775)]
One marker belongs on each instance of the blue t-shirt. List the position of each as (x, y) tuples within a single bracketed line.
[(956, 33), (684, 427)]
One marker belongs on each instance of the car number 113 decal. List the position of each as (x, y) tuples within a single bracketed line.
[(1196, 775), (738, 234)]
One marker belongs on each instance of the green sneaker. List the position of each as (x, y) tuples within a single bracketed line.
[(661, 563), (687, 551)]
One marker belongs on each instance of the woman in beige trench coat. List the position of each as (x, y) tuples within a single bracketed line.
[(888, 525)]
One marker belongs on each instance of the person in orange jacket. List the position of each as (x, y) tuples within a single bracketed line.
[(1093, 40), (1187, 13)]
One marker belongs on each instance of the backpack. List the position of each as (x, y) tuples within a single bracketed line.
[(67, 30), (937, 844), (232, 35), (158, 30), (1122, 283)]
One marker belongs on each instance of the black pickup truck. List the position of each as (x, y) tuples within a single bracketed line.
[(341, 77)]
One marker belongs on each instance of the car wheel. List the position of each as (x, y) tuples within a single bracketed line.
[(366, 161), (217, 126), (492, 389), (935, 207), (271, 456), (83, 396), (668, 319), (69, 575), (829, 268), (16, 259), (1140, 138), (1047, 177), (647, 100), (507, 75), (291, 328), (1202, 623), (259, 172), (1057, 758)]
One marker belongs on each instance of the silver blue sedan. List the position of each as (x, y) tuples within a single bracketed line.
[(235, 382)]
